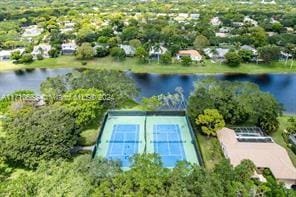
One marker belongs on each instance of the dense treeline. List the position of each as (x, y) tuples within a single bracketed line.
[(238, 102), (98, 177)]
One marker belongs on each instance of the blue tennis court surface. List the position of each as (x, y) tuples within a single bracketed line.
[(124, 143), (168, 143)]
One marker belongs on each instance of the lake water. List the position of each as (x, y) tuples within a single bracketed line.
[(282, 86)]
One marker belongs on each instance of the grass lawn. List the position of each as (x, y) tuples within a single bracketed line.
[(153, 67), (210, 150), (277, 136)]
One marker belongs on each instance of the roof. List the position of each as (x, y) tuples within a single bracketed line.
[(192, 53), (248, 47), (129, 50), (69, 46), (8, 52), (157, 50), (264, 155), (292, 138)]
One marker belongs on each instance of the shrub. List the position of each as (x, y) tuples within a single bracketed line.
[(186, 61), (166, 58), (232, 59), (39, 57), (117, 53), (26, 58)]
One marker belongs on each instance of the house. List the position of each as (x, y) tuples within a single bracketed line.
[(68, 27), (271, 33), (215, 21), (289, 29), (181, 17), (157, 51), (222, 35), (251, 21), (194, 16), (41, 49), (237, 24), (285, 56), (128, 50), (31, 31), (193, 54), (261, 150), (216, 53), (69, 48), (268, 2), (5, 54), (225, 29), (272, 20)]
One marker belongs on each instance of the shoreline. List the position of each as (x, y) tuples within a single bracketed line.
[(132, 65), (143, 72)]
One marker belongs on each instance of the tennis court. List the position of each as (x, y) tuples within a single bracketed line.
[(126, 133), (168, 143), (124, 143)]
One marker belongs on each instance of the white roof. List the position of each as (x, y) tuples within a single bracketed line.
[(216, 21), (32, 31), (8, 52), (129, 50), (250, 48), (69, 45), (41, 47), (154, 51)]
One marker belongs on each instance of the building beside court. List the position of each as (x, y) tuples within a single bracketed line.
[(250, 143), (193, 54), (167, 133)]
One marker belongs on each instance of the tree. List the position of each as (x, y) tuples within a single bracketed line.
[(85, 104), (245, 55), (102, 52), (259, 36), (210, 121), (277, 27), (146, 177), (129, 33), (16, 55), (86, 34), (117, 53), (117, 87), (53, 53), (85, 51), (232, 58), (238, 102), (269, 53), (142, 55), (26, 58), (244, 171), (201, 42), (186, 60), (166, 58), (292, 126), (135, 43), (152, 103), (53, 88), (78, 177), (41, 134), (39, 57), (16, 96)]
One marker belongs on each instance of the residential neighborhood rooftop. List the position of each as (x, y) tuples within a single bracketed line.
[(264, 155)]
